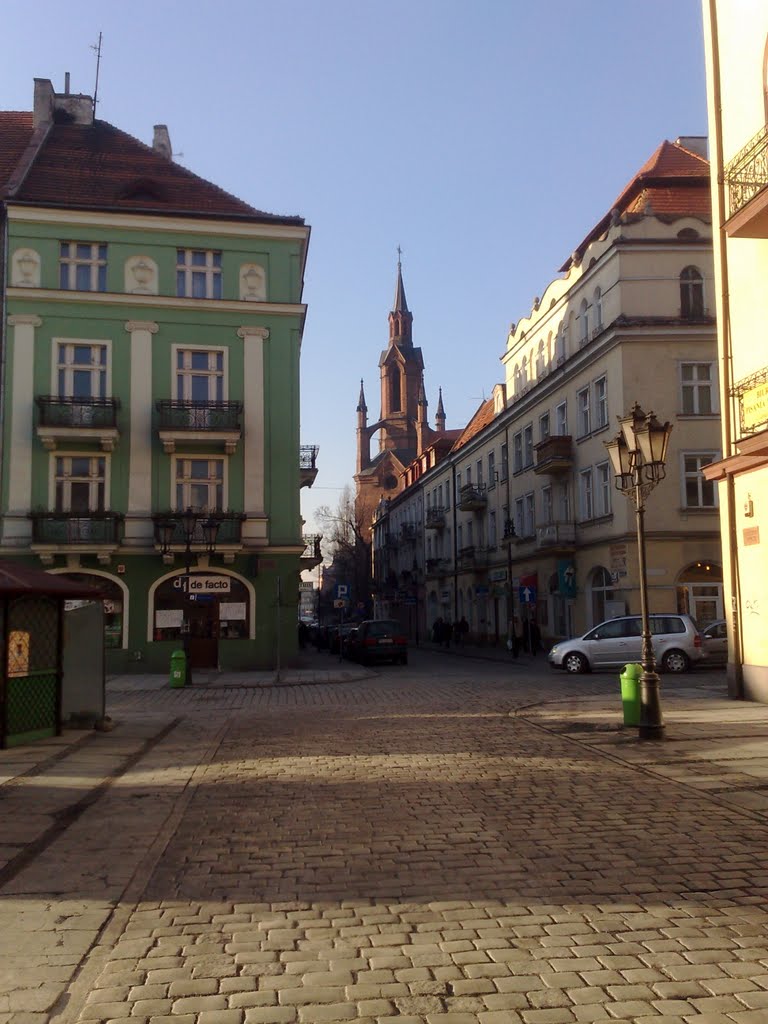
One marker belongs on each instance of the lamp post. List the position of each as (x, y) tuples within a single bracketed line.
[(166, 528), (638, 454)]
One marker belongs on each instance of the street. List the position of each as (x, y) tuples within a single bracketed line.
[(425, 844)]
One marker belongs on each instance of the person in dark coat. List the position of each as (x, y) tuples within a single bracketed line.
[(535, 638)]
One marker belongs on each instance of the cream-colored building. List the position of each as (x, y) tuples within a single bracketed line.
[(736, 36), (521, 519)]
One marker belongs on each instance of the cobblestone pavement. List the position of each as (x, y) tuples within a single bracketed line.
[(423, 847)]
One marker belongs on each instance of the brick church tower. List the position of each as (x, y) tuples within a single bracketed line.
[(402, 425)]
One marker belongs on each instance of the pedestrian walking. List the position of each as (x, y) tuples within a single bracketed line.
[(535, 637)]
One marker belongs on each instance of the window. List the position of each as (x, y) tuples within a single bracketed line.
[(460, 536), (81, 370), (564, 503), (504, 461), (561, 419), (603, 489), (586, 507), (83, 266), (691, 293), (491, 469), (524, 372), (517, 452), (479, 468), (540, 359), (492, 537), (530, 515), (544, 427), (597, 303), (698, 492), (199, 375), (561, 344), (198, 273), (528, 445), (200, 484), (517, 379), (583, 412), (80, 483), (519, 517), (583, 323), (699, 395), (469, 475), (470, 539), (600, 393), (393, 377), (546, 505), (458, 487)]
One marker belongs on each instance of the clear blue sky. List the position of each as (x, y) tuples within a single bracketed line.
[(486, 139)]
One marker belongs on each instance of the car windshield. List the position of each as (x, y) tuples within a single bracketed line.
[(385, 627)]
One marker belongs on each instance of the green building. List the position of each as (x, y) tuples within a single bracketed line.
[(150, 390)]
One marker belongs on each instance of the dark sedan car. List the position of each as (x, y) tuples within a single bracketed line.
[(379, 640)]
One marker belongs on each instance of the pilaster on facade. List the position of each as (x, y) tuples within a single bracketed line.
[(254, 339), (16, 527), (138, 524)]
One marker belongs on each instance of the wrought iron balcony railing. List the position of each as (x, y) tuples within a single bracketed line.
[(77, 527), (472, 498), (77, 412), (747, 173), (437, 566), (229, 532), (312, 547), (554, 454), (556, 535), (188, 415), (308, 456), (408, 531), (435, 518)]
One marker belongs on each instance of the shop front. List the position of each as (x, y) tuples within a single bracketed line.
[(208, 609)]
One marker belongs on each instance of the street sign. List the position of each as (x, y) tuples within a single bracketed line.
[(340, 602), (341, 590), (527, 595)]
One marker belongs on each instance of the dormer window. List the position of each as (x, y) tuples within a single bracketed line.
[(198, 274), (83, 266)]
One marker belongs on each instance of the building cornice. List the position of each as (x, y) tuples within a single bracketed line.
[(173, 224), (158, 302)]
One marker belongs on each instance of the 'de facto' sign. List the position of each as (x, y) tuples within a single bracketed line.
[(203, 584)]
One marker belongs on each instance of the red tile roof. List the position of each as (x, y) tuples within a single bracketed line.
[(673, 183), (479, 421), (99, 167)]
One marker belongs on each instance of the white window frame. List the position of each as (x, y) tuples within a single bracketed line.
[(95, 261), (583, 412), (600, 402), (492, 535), (583, 323), (696, 386), (547, 510), (527, 445), (603, 489), (210, 271), (188, 372), (69, 367), (586, 495), (561, 419), (504, 461), (563, 510), (517, 452), (187, 481), (491, 469), (92, 478), (597, 303), (696, 475), (529, 524), (519, 517), (479, 472)]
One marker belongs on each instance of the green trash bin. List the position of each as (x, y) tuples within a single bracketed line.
[(630, 693), (178, 668)]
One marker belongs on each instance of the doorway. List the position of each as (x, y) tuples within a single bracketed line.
[(204, 633)]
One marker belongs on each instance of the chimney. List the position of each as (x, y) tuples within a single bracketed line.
[(42, 111), (161, 141), (696, 144), (66, 83)]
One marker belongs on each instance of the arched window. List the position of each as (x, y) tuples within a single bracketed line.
[(562, 344), (691, 293), (524, 372), (517, 378), (394, 389), (540, 359), (583, 322), (597, 303)]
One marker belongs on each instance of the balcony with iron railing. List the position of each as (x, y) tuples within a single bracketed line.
[(311, 555), (435, 518), (746, 177), (228, 533), (195, 422), (557, 536), (473, 557), (308, 464), (554, 454), (87, 532), (437, 566), (408, 532), (77, 420), (472, 498)]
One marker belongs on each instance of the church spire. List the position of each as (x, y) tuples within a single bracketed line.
[(361, 406), (440, 414), (401, 318), (363, 434)]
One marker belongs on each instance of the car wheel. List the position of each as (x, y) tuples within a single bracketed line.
[(675, 661), (575, 663)]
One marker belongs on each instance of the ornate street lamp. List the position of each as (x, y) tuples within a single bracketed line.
[(638, 454)]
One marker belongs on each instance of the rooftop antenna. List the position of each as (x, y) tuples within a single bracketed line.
[(96, 47)]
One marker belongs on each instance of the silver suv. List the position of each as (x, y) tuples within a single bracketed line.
[(676, 644)]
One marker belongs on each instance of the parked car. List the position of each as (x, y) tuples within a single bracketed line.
[(676, 644), (339, 636), (714, 642), (379, 640)]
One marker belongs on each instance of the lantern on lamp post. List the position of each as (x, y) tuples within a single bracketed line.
[(638, 455)]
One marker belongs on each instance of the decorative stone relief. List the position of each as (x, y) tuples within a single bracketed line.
[(253, 282), (141, 276), (25, 272)]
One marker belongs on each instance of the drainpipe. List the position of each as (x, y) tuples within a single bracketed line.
[(736, 673)]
